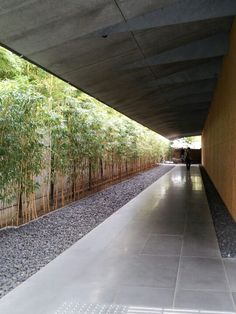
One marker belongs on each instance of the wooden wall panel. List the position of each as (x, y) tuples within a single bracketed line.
[(219, 134)]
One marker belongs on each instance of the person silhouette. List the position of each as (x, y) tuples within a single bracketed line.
[(182, 155), (188, 158)]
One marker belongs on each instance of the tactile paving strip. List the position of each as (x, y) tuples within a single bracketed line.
[(74, 307), (85, 308)]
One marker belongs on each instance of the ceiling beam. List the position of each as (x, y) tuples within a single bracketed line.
[(200, 87), (189, 99), (207, 70), (182, 11), (210, 47)]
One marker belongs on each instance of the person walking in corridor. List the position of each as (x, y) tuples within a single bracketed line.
[(188, 158), (182, 155)]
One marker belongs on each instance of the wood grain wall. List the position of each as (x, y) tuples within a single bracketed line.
[(219, 134)]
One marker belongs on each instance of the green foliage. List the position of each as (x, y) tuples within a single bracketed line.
[(192, 141), (10, 65), (42, 118), (21, 136)]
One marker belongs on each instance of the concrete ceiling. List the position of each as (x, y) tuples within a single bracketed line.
[(156, 61)]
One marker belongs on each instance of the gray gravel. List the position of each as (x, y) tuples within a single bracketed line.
[(225, 225), (26, 249)]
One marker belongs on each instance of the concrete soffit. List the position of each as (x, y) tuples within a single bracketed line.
[(155, 61)]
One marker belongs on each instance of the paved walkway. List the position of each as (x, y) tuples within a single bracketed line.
[(157, 254)]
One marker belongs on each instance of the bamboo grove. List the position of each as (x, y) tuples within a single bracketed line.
[(56, 143)]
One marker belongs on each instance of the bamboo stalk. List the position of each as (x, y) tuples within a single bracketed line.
[(31, 208), (62, 192), (12, 214), (6, 219), (17, 213), (34, 207), (44, 199), (48, 202), (27, 207), (57, 192), (23, 212), (1, 216)]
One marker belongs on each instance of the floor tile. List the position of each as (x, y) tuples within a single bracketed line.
[(193, 228), (171, 206), (200, 245), (163, 245), (166, 227), (145, 296), (89, 293), (150, 270), (230, 267), (169, 216), (129, 242), (202, 274), (234, 298), (197, 197), (105, 269), (199, 215), (204, 300)]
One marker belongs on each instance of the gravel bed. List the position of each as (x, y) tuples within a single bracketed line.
[(225, 226), (26, 249)]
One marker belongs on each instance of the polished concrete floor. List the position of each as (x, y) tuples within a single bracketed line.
[(157, 254)]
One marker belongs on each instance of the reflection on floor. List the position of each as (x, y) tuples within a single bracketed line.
[(157, 254)]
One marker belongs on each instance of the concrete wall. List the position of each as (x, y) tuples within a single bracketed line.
[(219, 134)]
